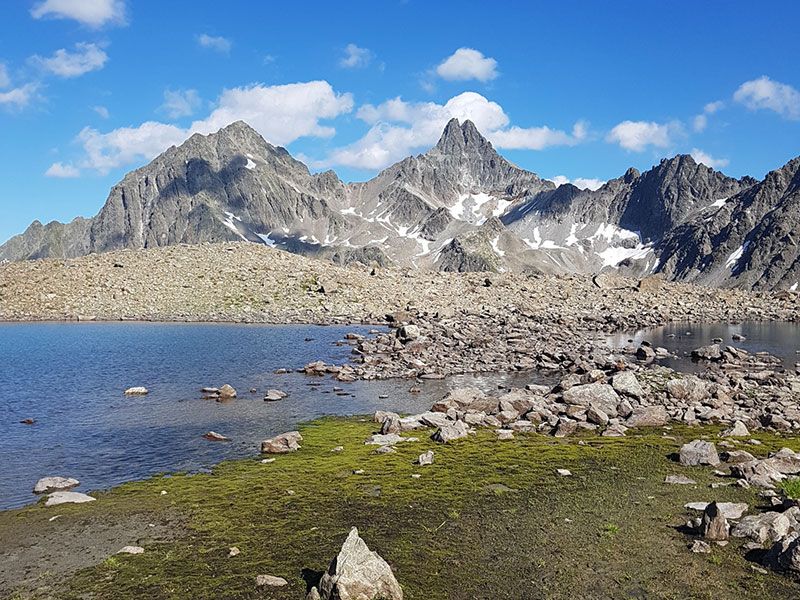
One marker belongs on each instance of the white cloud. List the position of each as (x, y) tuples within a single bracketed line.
[(92, 13), (102, 111), (19, 97), (708, 160), (5, 80), (85, 58), (583, 183), (180, 103), (764, 93), (355, 57), (467, 63), (400, 127), (700, 122), (281, 113), (637, 135), (62, 171), (217, 43)]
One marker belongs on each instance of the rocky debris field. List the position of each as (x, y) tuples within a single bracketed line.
[(444, 323)]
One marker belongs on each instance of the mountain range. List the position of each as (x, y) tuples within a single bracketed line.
[(458, 207)]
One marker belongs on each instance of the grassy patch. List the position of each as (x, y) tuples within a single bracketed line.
[(489, 519), (791, 487)]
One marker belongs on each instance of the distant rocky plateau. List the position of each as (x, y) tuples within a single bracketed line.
[(459, 207)]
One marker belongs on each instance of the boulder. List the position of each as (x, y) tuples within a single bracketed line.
[(739, 429), (425, 458), (391, 424), (136, 391), (452, 431), (690, 388), (648, 416), (226, 392), (765, 527), (627, 384), (283, 443), (730, 510), (712, 352), (699, 452), (408, 333), (785, 554), (358, 574), (714, 525), (54, 484), (600, 395), (274, 395), (650, 284), (57, 498)]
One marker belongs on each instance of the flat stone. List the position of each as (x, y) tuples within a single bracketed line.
[(57, 498), (730, 510), (679, 480), (270, 581), (130, 550), (54, 484)]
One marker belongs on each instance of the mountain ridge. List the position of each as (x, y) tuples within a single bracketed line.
[(458, 206)]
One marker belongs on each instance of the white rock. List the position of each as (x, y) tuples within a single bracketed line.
[(137, 391), (729, 510), (54, 484), (57, 498), (564, 472), (130, 550), (270, 581)]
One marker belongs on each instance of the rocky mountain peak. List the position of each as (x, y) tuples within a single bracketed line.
[(459, 138)]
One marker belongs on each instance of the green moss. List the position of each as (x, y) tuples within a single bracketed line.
[(610, 530)]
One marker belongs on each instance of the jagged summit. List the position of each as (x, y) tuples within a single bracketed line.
[(460, 138)]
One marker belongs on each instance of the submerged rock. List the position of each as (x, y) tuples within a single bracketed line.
[(136, 391), (357, 573)]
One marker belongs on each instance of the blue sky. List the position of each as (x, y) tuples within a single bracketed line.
[(90, 89)]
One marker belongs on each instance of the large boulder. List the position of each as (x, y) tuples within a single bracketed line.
[(712, 352), (452, 431), (283, 443), (600, 395), (648, 416), (357, 573), (699, 452), (690, 388), (764, 527), (627, 384)]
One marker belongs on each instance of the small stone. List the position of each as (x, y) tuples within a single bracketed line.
[(213, 436), (425, 458), (233, 551), (700, 547), (274, 395), (679, 480), (338, 449), (137, 391), (564, 472), (130, 550), (270, 581)]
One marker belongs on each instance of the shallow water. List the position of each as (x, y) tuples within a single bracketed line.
[(70, 377), (780, 339)]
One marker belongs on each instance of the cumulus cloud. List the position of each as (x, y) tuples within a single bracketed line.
[(216, 43), (399, 127), (583, 183), (62, 171), (765, 93), (102, 111), (85, 58), (465, 64), (355, 57), (92, 13), (281, 113), (708, 160), (700, 122), (5, 80), (638, 135), (19, 97), (180, 103)]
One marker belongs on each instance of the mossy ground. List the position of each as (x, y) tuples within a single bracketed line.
[(489, 519)]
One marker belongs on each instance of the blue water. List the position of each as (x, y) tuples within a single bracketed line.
[(70, 377)]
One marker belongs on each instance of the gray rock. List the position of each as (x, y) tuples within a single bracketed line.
[(450, 432), (270, 581), (627, 384), (600, 395), (699, 452), (764, 527), (679, 480), (714, 525), (358, 574), (54, 484), (57, 498), (648, 416), (426, 458), (274, 395), (283, 443), (130, 550), (739, 429), (730, 510)]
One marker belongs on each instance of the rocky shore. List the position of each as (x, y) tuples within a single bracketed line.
[(459, 322)]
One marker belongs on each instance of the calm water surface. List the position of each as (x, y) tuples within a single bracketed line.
[(70, 377), (780, 339)]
